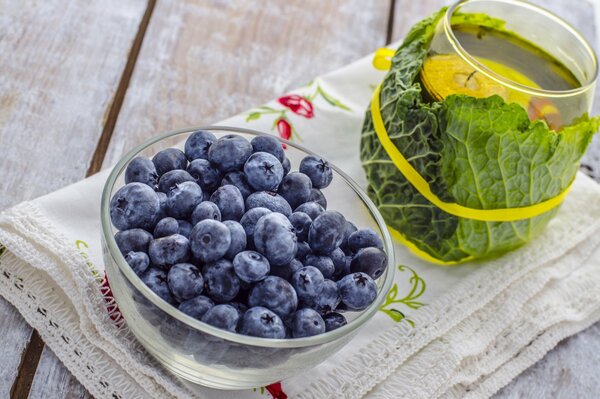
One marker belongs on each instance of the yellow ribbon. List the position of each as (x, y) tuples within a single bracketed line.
[(418, 182), (383, 59), (422, 254)]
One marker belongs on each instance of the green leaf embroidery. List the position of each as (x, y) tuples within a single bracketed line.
[(417, 288), (261, 390), (253, 116), (333, 101)]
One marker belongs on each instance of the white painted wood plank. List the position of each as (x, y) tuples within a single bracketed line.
[(179, 67), (61, 63), (15, 333), (53, 381), (202, 62)]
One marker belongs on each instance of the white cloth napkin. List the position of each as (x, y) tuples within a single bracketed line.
[(462, 331)]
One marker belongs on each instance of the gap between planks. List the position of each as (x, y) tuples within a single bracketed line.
[(117, 103), (33, 351), (390, 22)]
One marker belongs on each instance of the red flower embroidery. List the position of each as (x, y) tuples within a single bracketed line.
[(284, 128), (298, 105), (276, 391)]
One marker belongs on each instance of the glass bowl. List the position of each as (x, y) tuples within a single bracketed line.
[(206, 355)]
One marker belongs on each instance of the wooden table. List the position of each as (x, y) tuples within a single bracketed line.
[(81, 82)]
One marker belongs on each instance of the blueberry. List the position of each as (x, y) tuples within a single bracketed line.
[(197, 306), (206, 210), (312, 209), (230, 202), (323, 263), (185, 281), (287, 166), (317, 196), (162, 199), (269, 200), (275, 294), (357, 290), (270, 144), (250, 266), (318, 170), (248, 222), (138, 261), (230, 152), (169, 180), (261, 322), (301, 223), (134, 240), (327, 300), (134, 205), (166, 227), (308, 282), (169, 159), (295, 188), (326, 232), (141, 170), (306, 322), (223, 316), (185, 228), (286, 271), (205, 174), (183, 198), (364, 238), (239, 180), (341, 263), (274, 237), (156, 280), (209, 240), (370, 260), (168, 251), (334, 321), (348, 230), (197, 145), (222, 284), (303, 250), (263, 171), (238, 239)]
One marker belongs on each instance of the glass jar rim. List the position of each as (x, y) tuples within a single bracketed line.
[(480, 67), (108, 237)]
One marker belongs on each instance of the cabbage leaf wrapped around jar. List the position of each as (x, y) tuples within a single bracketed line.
[(480, 153)]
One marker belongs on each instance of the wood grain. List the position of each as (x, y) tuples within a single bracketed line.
[(203, 62), (60, 67)]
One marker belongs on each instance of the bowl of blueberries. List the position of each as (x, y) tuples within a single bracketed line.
[(238, 259)]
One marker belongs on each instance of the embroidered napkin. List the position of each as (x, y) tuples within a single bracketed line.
[(442, 332)]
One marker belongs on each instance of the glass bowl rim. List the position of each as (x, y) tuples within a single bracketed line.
[(467, 57), (114, 252)]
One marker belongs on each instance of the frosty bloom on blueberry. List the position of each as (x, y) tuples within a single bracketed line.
[(229, 234)]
